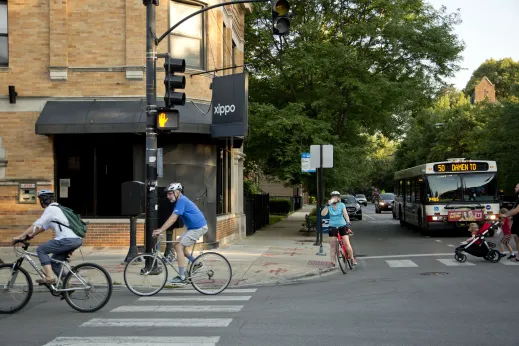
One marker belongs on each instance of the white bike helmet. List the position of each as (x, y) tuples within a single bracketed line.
[(335, 193), (174, 186)]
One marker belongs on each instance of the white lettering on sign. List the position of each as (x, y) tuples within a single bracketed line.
[(223, 110)]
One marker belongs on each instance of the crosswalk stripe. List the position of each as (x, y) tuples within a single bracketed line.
[(453, 263), (178, 308), (194, 299), (135, 341), (191, 291), (158, 322), (401, 263), (509, 263)]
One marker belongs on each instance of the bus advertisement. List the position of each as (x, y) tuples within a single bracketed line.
[(446, 194)]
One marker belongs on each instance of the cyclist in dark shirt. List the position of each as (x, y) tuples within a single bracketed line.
[(515, 220)]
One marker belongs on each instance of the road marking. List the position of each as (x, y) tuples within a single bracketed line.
[(438, 241), (450, 245), (194, 299), (453, 263), (509, 263), (178, 308), (192, 291), (409, 255), (135, 340), (401, 263), (158, 322), (366, 215)]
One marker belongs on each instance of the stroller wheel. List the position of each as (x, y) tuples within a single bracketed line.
[(460, 257), (493, 256)]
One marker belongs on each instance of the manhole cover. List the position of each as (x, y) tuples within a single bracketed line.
[(434, 273)]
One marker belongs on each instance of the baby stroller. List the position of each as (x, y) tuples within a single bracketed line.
[(479, 247)]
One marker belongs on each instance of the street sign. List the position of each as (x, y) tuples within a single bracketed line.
[(305, 163), (315, 156), (167, 119)]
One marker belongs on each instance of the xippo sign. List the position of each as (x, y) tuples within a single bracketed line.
[(230, 105), (223, 110)]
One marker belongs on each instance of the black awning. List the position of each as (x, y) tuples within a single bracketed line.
[(121, 116)]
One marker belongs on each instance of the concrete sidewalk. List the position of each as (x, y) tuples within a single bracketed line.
[(275, 254)]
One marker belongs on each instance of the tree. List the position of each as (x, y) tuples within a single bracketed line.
[(348, 69), (504, 74)]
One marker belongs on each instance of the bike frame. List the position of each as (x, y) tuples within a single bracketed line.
[(158, 254), (27, 256)]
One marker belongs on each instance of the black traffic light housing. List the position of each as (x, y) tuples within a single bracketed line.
[(172, 82), (280, 17)]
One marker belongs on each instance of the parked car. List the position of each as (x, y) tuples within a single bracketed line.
[(361, 199), (352, 206), (384, 201)]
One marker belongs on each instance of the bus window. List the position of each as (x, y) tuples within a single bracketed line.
[(483, 185), (444, 188)]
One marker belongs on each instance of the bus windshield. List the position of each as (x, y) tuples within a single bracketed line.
[(479, 187), (444, 188), (467, 187)]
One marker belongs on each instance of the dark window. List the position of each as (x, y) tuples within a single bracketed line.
[(96, 166), (4, 45), (223, 176), (444, 188), (479, 187)]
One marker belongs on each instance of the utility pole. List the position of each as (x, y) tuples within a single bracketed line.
[(151, 133)]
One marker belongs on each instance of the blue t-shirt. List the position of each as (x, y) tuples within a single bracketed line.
[(336, 217), (191, 216)]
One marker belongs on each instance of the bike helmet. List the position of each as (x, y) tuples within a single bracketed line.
[(335, 193), (46, 197), (174, 186)]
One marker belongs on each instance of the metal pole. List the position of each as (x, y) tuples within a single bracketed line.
[(151, 134), (321, 187), (318, 207), (132, 252)]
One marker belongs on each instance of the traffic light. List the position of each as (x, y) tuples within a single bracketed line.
[(167, 119), (280, 19), (172, 82)]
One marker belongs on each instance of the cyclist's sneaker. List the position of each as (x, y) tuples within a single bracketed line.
[(197, 266), (178, 281)]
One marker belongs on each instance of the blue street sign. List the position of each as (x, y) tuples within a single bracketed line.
[(305, 163)]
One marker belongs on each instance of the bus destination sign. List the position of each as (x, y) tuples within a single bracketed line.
[(461, 167)]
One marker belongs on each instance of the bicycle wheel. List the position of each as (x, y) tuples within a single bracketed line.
[(340, 257), (147, 282), (80, 278), (10, 283), (210, 268)]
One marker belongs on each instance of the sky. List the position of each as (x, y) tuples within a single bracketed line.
[(490, 29)]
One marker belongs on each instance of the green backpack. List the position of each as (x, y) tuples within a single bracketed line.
[(77, 225)]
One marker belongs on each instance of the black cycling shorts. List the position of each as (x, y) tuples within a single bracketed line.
[(332, 231)]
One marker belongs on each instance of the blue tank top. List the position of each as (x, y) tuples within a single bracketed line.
[(336, 217)]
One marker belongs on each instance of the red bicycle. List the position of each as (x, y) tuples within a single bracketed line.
[(343, 258)]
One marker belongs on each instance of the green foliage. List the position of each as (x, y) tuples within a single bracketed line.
[(273, 219), (250, 187), (504, 74), (280, 206), (348, 71)]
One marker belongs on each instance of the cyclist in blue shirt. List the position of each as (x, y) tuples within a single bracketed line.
[(195, 223), (339, 222)]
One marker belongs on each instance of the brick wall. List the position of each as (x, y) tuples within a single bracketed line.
[(224, 228), (485, 89)]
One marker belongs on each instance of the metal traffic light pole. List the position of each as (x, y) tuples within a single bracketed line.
[(151, 102)]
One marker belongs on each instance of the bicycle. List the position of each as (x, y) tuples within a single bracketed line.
[(341, 253), (66, 288), (150, 266)]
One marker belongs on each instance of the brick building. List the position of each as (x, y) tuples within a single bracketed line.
[(72, 112), (484, 89)]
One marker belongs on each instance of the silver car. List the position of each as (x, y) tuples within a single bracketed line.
[(361, 199)]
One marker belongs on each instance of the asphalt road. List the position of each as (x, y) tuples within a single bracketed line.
[(406, 290)]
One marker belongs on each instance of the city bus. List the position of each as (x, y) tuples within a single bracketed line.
[(447, 194)]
